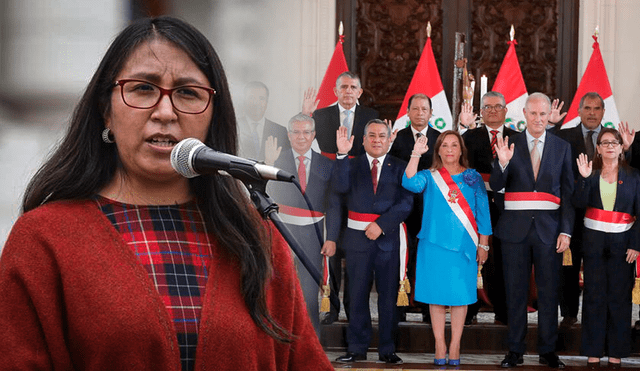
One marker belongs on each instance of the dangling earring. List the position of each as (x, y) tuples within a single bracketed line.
[(106, 137)]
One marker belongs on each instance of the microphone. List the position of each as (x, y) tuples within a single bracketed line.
[(191, 158)]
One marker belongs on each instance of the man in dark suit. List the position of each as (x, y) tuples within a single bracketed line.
[(377, 204), (480, 143), (254, 128), (582, 139), (347, 112), (535, 227), (314, 174), (419, 112)]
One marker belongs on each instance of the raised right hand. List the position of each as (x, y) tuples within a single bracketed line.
[(584, 165), (504, 151), (343, 142), (309, 103), (421, 147)]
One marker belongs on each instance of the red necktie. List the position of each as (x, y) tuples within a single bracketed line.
[(494, 138), (302, 174), (374, 174)]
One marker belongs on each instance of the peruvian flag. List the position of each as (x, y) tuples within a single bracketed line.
[(426, 80), (510, 83), (594, 80), (337, 65)]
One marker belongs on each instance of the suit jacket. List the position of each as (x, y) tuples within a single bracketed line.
[(352, 177), (554, 177), (403, 145), (478, 143), (401, 148), (587, 194), (246, 141), (328, 121), (576, 140), (318, 189)]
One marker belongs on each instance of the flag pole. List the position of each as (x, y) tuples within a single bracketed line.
[(457, 77)]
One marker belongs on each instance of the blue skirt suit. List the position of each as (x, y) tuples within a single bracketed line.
[(446, 266)]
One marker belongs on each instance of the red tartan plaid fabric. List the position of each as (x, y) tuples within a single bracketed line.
[(172, 243)]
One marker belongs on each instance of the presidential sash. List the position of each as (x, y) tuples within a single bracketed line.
[(456, 201)]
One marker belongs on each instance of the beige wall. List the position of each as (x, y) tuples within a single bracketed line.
[(620, 45)]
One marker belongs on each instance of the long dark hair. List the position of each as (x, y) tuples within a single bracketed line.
[(597, 159), (437, 161), (83, 164)]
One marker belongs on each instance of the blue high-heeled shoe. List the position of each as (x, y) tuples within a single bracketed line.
[(454, 362), (439, 361)]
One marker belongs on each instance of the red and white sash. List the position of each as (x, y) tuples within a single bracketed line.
[(608, 221), (486, 177), (456, 201), (531, 201), (298, 216), (360, 221)]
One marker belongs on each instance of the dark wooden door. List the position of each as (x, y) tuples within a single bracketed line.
[(385, 38)]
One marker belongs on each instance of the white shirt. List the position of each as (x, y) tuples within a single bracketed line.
[(500, 131), (416, 131)]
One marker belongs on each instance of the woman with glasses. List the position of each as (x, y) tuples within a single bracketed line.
[(610, 191), (120, 263)]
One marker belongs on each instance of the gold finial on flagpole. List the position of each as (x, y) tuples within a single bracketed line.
[(597, 31), (428, 29), (340, 29), (512, 33)]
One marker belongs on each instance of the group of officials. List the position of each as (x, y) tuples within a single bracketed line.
[(355, 188)]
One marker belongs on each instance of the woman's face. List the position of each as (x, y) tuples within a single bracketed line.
[(609, 147), (450, 150), (145, 137)]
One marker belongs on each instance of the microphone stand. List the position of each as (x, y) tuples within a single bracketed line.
[(269, 209)]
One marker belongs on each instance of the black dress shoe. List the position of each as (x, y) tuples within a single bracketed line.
[(426, 318), (471, 321), (351, 357), (329, 318), (613, 366), (568, 322), (391, 358), (512, 359), (551, 359), (593, 365)]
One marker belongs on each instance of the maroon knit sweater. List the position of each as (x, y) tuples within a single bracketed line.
[(74, 297)]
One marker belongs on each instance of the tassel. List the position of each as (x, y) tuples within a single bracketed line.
[(325, 306), (407, 286), (635, 295), (480, 282), (403, 299), (566, 258)]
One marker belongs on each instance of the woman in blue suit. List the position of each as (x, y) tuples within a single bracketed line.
[(610, 192), (453, 239)]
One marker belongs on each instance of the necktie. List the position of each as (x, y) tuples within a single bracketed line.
[(494, 138), (589, 144), (347, 123), (302, 174), (374, 174), (418, 135), (535, 159)]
